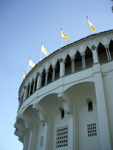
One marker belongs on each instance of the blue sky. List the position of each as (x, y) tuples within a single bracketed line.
[(24, 25)]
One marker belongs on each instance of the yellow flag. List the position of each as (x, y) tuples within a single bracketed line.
[(64, 36), (44, 50), (91, 25), (31, 63)]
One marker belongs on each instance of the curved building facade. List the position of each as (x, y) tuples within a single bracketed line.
[(66, 100)]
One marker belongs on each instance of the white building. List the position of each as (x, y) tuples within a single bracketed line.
[(66, 100)]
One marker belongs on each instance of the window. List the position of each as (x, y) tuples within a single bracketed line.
[(43, 78), (62, 114), (57, 70), (50, 74), (41, 141), (28, 88), (35, 84), (67, 65), (78, 61), (102, 53), (88, 57), (90, 106), (31, 90), (62, 137), (91, 129)]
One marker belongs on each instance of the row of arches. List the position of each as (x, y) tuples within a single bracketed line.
[(71, 65), (86, 116)]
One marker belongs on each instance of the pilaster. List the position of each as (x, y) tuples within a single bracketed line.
[(46, 78), (39, 78), (108, 52), (62, 67), (101, 110), (95, 55), (83, 60), (31, 125), (72, 65), (53, 77)]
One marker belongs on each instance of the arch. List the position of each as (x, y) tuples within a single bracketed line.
[(88, 57), (43, 78), (111, 48), (57, 70), (50, 104), (67, 65), (50, 74), (78, 61), (31, 89), (102, 53)]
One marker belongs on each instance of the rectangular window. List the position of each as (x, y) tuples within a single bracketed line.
[(62, 114), (62, 137), (41, 141), (91, 129)]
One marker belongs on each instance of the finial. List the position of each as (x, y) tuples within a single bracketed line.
[(42, 43), (86, 16)]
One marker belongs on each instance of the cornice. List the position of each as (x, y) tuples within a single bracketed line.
[(64, 47)]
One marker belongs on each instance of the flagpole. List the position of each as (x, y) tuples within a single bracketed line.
[(41, 51), (90, 32), (24, 74), (89, 27), (28, 65), (61, 37)]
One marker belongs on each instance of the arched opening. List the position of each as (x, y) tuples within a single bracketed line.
[(62, 113), (31, 89), (57, 70), (90, 106), (50, 74), (28, 88), (67, 65), (43, 78), (78, 61), (35, 82), (111, 48), (102, 53), (88, 58)]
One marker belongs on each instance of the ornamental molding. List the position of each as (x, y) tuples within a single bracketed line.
[(41, 112), (29, 124), (66, 102)]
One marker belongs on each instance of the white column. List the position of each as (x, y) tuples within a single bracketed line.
[(70, 133), (83, 62), (46, 78), (108, 52), (101, 110), (39, 80), (53, 77), (95, 56), (26, 140), (49, 138), (29, 88), (34, 84), (33, 138), (25, 94), (45, 136), (72, 65), (62, 67)]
